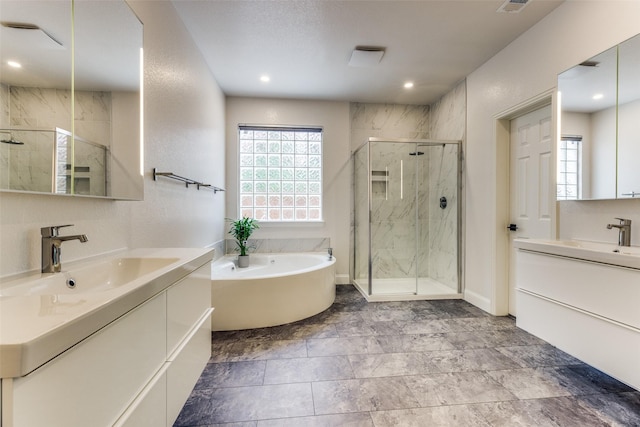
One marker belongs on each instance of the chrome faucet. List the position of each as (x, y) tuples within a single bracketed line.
[(51, 250), (624, 235), (330, 253)]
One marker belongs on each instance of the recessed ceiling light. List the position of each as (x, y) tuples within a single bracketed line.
[(598, 96), (408, 85), (265, 79), (14, 64)]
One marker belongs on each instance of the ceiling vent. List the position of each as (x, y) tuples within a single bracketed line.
[(33, 30), (366, 56), (513, 6)]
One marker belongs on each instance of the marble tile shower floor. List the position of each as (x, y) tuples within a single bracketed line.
[(413, 363)]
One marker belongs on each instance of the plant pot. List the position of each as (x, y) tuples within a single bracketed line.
[(243, 261)]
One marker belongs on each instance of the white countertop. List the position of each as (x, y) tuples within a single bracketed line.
[(36, 328), (605, 253)]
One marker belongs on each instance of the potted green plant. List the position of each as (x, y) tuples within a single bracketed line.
[(241, 229)]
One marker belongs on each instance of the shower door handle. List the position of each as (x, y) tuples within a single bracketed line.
[(512, 227)]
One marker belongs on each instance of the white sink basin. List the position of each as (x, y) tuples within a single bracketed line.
[(41, 317), (607, 253), (597, 246), (97, 277)]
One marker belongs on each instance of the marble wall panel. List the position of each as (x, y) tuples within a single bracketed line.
[(395, 232), (4, 106), (387, 121)]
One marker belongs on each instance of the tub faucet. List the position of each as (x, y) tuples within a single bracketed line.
[(51, 250), (330, 253), (624, 228)]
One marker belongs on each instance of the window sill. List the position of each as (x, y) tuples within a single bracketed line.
[(276, 224)]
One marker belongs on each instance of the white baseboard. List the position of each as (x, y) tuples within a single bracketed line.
[(478, 300), (342, 279)]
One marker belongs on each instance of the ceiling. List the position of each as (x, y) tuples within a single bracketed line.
[(304, 46)]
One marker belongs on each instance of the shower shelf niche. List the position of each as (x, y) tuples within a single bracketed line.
[(379, 176)]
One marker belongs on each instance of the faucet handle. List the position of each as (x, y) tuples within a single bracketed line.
[(52, 230), (624, 221)]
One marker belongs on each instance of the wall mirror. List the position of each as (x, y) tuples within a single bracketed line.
[(600, 105), (63, 130)]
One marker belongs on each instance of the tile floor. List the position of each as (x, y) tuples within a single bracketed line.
[(417, 363)]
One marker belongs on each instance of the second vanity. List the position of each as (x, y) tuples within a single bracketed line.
[(584, 298), (119, 341)]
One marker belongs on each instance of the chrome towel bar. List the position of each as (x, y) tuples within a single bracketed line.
[(187, 181)]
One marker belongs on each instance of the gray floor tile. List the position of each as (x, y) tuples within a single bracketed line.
[(244, 424), (480, 359), (533, 356), (532, 383), (258, 350), (457, 388), (410, 363), (283, 371), (387, 315), (361, 395), (391, 364), (368, 328), (342, 420), (441, 416), (492, 338), (234, 404), (551, 412), (344, 346), (414, 343), (232, 374), (618, 409)]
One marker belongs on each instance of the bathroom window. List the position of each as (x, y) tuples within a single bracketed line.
[(569, 170), (280, 173)]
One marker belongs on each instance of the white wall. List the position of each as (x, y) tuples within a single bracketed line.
[(526, 68), (334, 118), (184, 133)]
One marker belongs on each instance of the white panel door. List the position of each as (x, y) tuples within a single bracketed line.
[(531, 183)]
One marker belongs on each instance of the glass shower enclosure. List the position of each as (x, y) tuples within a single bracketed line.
[(406, 197)]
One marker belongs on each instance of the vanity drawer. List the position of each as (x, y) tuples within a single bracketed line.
[(147, 409), (186, 364), (187, 301), (605, 290), (96, 380)]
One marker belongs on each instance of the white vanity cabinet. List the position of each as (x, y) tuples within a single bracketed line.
[(586, 308), (136, 371)]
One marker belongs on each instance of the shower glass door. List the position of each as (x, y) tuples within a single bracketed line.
[(395, 168)]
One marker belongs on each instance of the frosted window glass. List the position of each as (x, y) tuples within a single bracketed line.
[(569, 168), (280, 173)]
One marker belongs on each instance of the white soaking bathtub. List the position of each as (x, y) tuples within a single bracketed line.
[(275, 289)]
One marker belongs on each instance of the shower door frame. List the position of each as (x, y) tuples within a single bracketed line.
[(418, 142)]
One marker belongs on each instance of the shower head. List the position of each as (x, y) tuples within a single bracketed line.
[(11, 141), (416, 153)]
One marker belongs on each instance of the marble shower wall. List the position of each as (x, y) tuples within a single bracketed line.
[(393, 219), (360, 213), (394, 230), (447, 122), (443, 223), (387, 121)]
